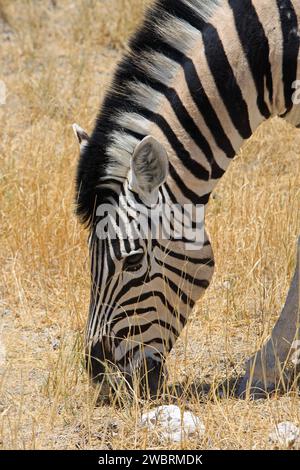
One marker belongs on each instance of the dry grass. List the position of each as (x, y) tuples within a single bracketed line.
[(56, 59)]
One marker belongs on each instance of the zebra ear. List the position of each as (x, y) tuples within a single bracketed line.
[(149, 169), (81, 135)]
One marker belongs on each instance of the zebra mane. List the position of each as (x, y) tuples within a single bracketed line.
[(119, 125)]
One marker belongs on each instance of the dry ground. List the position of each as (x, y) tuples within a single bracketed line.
[(56, 59)]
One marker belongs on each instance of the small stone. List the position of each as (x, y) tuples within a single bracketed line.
[(173, 424), (6, 312), (55, 343), (285, 434)]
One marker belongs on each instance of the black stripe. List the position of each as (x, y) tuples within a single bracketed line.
[(152, 294), (226, 83), (170, 194), (219, 66), (135, 330), (187, 193), (203, 104), (98, 259), (184, 275), (256, 48), (203, 261), (148, 40), (289, 26), (179, 292), (130, 313), (134, 282), (95, 266)]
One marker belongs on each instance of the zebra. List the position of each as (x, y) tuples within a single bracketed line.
[(198, 78)]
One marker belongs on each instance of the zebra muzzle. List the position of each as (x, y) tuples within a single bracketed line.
[(149, 378)]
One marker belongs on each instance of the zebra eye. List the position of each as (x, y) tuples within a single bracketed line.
[(133, 262)]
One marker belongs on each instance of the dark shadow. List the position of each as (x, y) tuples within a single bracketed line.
[(234, 387), (203, 392)]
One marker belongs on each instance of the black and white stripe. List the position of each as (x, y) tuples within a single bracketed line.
[(199, 78)]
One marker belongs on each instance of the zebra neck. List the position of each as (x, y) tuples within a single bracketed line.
[(202, 86), (233, 74), (200, 76)]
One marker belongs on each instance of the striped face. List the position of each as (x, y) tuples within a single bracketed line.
[(148, 269)]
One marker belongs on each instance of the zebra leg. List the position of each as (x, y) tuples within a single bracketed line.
[(270, 368)]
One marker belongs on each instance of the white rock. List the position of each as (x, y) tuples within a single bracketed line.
[(285, 434), (173, 424)]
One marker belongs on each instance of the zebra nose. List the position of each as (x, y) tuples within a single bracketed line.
[(152, 377)]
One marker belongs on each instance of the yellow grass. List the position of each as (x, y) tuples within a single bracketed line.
[(56, 60)]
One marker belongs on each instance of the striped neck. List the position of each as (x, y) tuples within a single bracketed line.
[(200, 81), (201, 88)]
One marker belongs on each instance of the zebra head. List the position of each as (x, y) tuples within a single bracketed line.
[(145, 280)]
